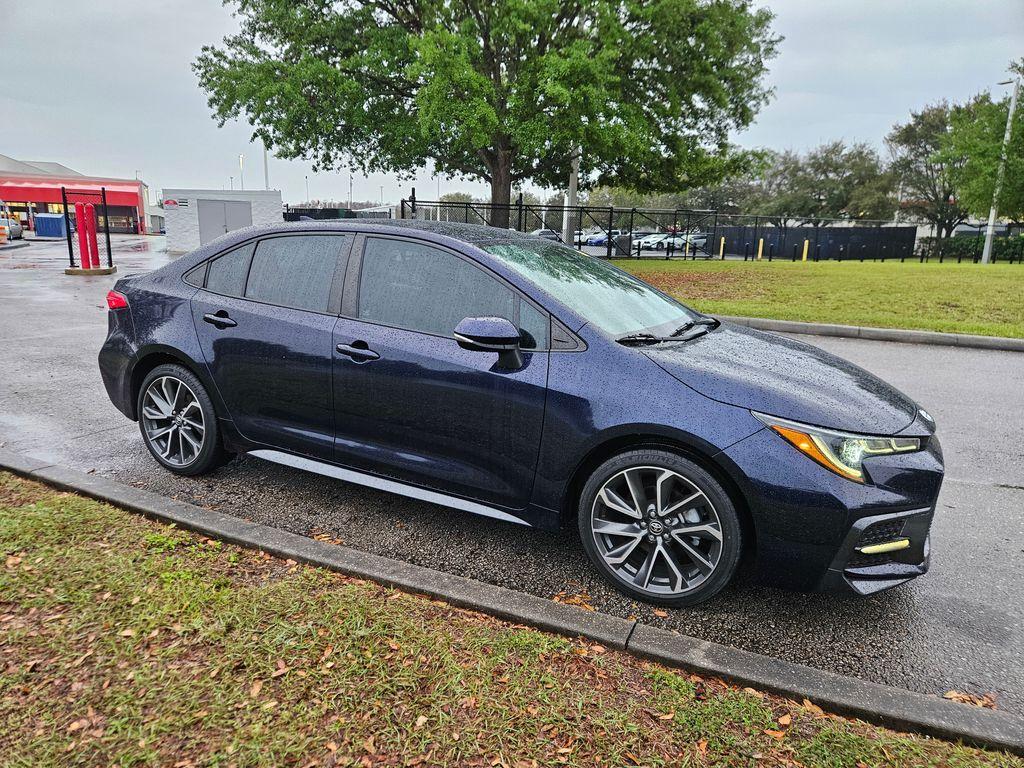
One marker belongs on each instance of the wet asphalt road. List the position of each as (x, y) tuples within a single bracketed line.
[(959, 627)]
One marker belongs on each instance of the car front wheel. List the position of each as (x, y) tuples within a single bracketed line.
[(178, 422), (660, 528)]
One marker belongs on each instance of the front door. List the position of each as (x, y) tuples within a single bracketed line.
[(266, 331), (410, 403)]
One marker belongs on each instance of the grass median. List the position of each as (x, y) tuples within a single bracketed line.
[(950, 298), (127, 642)]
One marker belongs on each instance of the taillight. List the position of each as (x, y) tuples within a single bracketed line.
[(116, 300)]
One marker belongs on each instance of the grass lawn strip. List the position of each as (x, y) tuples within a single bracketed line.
[(127, 642), (950, 298)]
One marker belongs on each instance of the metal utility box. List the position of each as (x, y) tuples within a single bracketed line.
[(194, 217)]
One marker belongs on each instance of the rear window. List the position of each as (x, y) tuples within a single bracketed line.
[(226, 274), (295, 271)]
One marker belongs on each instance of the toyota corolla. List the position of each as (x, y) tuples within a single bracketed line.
[(509, 376)]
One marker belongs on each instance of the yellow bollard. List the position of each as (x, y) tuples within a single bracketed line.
[(760, 247), (721, 249), (806, 244)]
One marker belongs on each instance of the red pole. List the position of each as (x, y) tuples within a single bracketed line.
[(83, 241), (94, 249)]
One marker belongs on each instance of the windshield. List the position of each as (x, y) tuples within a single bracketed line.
[(614, 301)]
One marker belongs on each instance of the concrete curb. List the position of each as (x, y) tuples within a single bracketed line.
[(891, 707), (880, 334)]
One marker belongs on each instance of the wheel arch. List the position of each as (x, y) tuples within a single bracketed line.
[(688, 446), (150, 358)]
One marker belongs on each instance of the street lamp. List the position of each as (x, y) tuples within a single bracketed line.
[(986, 254), (307, 189), (241, 172)]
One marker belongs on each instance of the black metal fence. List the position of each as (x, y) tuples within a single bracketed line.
[(681, 233)]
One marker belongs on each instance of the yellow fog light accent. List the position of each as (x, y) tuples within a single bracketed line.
[(889, 546)]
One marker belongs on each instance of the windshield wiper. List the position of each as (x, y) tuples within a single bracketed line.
[(640, 338), (710, 322)]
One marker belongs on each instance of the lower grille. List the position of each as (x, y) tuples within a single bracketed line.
[(876, 533)]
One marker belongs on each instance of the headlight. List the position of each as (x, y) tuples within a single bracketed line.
[(841, 452)]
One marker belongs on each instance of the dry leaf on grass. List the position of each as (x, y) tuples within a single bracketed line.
[(813, 708)]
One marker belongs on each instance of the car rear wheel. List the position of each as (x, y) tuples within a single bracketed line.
[(660, 528), (178, 422)]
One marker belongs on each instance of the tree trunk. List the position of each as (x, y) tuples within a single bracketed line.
[(501, 189)]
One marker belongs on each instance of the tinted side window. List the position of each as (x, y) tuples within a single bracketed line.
[(295, 271), (420, 288), (534, 326), (196, 276), (226, 274)]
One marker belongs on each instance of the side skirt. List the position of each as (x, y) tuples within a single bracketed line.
[(382, 484)]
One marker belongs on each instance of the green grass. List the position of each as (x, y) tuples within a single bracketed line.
[(124, 642), (952, 298)]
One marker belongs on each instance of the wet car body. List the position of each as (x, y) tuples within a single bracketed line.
[(519, 445)]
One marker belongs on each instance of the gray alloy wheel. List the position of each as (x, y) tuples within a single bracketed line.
[(178, 422), (173, 421), (660, 528)]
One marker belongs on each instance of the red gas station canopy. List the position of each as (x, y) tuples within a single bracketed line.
[(46, 189)]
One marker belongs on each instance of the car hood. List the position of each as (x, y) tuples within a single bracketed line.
[(783, 377)]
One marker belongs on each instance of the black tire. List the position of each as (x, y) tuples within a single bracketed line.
[(211, 453), (713, 511)]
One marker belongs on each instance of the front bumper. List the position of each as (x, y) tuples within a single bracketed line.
[(809, 523), (867, 573)]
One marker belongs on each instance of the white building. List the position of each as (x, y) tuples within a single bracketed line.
[(194, 217)]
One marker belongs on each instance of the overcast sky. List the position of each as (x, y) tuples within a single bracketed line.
[(105, 86)]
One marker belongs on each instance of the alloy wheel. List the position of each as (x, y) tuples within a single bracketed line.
[(656, 530), (173, 421)]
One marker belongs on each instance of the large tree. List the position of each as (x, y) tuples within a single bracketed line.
[(976, 135), (927, 176), (499, 90)]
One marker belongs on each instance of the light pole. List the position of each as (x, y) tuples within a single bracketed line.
[(232, 181), (986, 254), (568, 230), (382, 194), (307, 189), (266, 176), (241, 172)]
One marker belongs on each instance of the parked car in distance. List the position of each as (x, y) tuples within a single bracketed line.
[(547, 234), (516, 378), (601, 238), (14, 229), (579, 237), (650, 241), (680, 242)]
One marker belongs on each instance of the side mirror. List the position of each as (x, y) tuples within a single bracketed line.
[(491, 334)]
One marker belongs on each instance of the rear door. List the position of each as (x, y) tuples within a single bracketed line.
[(265, 320), (417, 407)]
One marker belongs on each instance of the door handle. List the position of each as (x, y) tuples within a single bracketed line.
[(358, 351), (220, 319)]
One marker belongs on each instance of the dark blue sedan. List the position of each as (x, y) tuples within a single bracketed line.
[(515, 378)]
